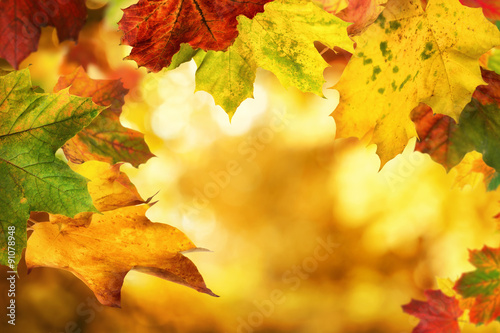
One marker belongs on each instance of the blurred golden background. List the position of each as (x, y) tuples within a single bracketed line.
[(307, 235)]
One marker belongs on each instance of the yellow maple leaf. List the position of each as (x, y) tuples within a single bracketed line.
[(122, 238), (407, 56)]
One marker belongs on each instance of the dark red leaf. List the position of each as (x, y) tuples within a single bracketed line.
[(21, 21)]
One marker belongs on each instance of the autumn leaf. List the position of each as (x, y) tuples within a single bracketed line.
[(114, 242), (362, 13), (406, 57), (438, 315), (473, 172), (494, 182), (105, 139), (156, 29), (482, 284), (478, 128), (280, 40), (21, 21), (332, 6), (447, 287), (110, 189), (491, 8), (493, 61), (32, 127)]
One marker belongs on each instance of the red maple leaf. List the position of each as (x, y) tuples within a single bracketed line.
[(438, 315), (21, 21), (156, 28)]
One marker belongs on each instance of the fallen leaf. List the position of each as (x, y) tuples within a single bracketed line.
[(22, 20), (406, 57), (32, 127), (105, 139), (438, 315), (156, 29)]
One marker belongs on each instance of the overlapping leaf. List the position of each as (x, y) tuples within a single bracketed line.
[(110, 189), (473, 172), (483, 285), (280, 40), (493, 60), (439, 314), (491, 8), (332, 6), (115, 242), (105, 139), (21, 21), (32, 127), (156, 29), (406, 57), (478, 128), (362, 13)]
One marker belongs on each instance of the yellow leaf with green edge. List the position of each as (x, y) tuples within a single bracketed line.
[(280, 40), (406, 57), (32, 127)]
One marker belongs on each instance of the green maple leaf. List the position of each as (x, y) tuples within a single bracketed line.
[(280, 40), (32, 127)]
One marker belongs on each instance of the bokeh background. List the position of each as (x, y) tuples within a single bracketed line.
[(307, 234)]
